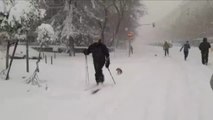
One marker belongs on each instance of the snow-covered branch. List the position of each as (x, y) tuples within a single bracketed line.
[(22, 17), (23, 11)]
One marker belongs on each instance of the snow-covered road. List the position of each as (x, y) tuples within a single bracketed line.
[(150, 88)]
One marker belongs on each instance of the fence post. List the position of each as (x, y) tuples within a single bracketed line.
[(51, 60), (45, 59)]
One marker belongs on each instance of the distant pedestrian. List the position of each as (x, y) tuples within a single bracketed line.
[(166, 47), (100, 54), (211, 81), (131, 49), (185, 48), (204, 48)]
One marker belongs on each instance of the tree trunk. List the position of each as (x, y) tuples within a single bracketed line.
[(120, 15), (71, 47), (7, 54), (11, 61), (27, 55), (104, 24)]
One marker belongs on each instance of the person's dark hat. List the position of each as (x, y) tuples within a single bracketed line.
[(98, 40), (204, 39)]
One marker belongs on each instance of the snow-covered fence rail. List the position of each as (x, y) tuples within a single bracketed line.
[(60, 49)]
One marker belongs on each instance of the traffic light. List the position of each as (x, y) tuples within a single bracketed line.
[(153, 25)]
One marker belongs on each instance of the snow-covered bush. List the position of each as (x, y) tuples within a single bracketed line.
[(23, 12), (6, 5), (22, 17), (45, 33)]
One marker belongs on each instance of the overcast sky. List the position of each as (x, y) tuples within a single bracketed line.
[(157, 9)]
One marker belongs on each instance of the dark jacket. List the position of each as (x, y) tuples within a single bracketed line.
[(204, 46), (185, 47), (166, 46), (100, 52)]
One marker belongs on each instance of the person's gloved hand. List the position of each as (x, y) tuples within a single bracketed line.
[(85, 51), (107, 63)]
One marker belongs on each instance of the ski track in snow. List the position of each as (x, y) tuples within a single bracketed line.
[(150, 88)]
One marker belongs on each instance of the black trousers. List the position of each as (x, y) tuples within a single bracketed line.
[(99, 77), (204, 56), (166, 51), (186, 54)]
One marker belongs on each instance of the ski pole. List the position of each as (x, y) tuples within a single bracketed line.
[(87, 71), (111, 76)]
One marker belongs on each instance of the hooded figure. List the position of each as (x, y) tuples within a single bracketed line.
[(204, 48), (100, 54)]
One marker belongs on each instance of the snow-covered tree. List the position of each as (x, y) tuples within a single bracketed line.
[(6, 5), (45, 34), (21, 18), (80, 21), (126, 14)]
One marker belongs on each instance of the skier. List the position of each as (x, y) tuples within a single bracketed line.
[(100, 56), (204, 48), (166, 47), (185, 48)]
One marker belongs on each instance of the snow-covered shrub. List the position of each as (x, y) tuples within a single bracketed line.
[(23, 16), (45, 33), (23, 12)]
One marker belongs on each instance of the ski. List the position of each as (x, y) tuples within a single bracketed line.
[(95, 91), (96, 88)]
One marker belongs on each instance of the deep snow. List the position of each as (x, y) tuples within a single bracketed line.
[(152, 87)]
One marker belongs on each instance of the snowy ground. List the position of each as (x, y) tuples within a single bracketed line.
[(152, 87)]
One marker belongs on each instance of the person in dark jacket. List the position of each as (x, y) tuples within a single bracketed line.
[(166, 47), (185, 48), (204, 48), (100, 54)]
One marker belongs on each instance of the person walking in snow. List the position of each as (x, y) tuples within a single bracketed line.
[(166, 47), (204, 48), (100, 54), (185, 48)]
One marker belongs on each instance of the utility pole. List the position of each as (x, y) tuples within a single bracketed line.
[(27, 55)]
